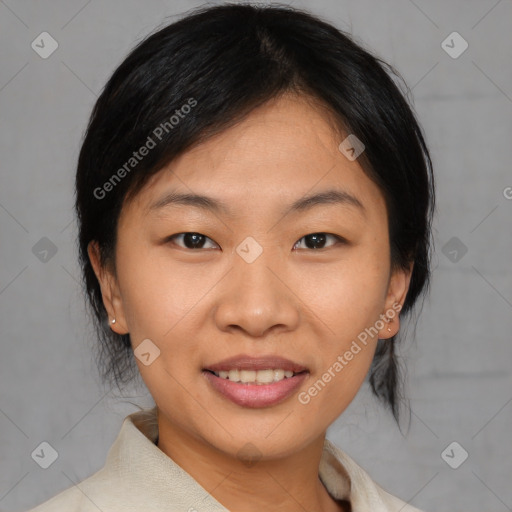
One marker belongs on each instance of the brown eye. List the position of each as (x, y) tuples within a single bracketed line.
[(191, 240), (317, 240)]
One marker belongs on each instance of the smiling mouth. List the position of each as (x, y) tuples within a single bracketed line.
[(261, 377)]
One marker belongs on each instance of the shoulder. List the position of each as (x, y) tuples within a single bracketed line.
[(65, 501), (73, 499), (363, 492), (393, 503), (103, 491), (137, 476)]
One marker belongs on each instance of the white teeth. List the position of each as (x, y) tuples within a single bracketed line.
[(265, 376), (255, 376), (233, 375), (278, 374), (247, 375)]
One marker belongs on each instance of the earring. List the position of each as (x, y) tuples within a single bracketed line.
[(113, 321), (388, 320)]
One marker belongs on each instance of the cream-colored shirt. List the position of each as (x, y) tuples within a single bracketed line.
[(139, 477)]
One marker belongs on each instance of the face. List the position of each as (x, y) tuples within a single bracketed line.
[(256, 284)]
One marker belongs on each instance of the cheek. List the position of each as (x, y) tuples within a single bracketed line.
[(348, 300), (349, 304), (349, 294), (158, 295)]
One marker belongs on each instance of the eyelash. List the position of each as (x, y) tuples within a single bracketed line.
[(338, 238)]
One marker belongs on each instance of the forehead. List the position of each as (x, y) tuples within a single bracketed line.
[(286, 149)]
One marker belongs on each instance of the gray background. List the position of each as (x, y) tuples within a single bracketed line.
[(459, 377)]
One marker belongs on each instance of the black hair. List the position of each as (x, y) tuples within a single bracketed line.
[(204, 73)]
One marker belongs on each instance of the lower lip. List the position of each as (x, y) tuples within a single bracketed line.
[(256, 395)]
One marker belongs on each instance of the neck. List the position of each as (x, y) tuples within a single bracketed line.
[(288, 483)]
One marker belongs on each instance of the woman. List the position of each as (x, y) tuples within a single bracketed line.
[(254, 198)]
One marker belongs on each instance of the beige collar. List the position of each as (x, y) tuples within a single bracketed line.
[(144, 467)]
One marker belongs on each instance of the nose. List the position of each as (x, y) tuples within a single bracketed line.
[(257, 299)]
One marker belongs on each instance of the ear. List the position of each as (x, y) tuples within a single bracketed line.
[(397, 291), (109, 290)]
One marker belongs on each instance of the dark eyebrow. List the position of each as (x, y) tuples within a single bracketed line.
[(195, 200), (327, 197), (304, 203)]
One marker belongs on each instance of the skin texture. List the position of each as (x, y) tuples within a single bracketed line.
[(202, 305)]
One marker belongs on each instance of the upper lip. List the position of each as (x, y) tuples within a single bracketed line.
[(245, 362)]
